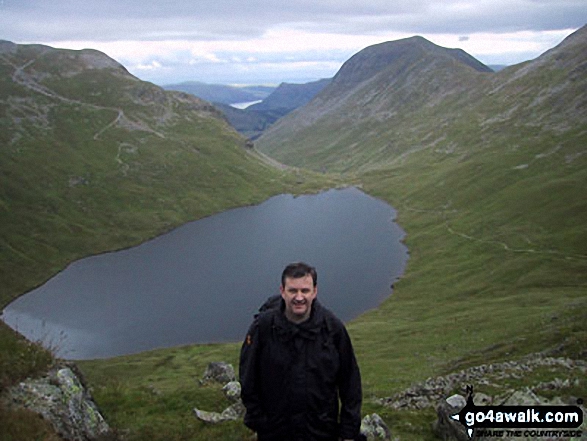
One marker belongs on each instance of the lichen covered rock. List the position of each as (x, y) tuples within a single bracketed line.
[(373, 427), (61, 398)]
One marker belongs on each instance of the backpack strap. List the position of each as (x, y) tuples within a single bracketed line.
[(273, 302)]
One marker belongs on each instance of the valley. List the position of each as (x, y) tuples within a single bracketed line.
[(486, 169)]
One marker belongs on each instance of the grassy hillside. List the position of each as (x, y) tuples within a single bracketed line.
[(426, 99), (488, 173), (380, 104), (92, 160), (484, 284)]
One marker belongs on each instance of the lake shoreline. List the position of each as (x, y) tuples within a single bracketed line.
[(73, 330)]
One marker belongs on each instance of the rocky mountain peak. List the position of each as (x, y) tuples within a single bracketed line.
[(93, 59), (401, 55), (61, 62), (7, 47), (388, 98)]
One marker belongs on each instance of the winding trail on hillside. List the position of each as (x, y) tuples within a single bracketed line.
[(109, 126), (444, 212), (505, 246), (21, 77)]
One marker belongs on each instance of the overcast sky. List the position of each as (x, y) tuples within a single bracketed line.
[(270, 41)]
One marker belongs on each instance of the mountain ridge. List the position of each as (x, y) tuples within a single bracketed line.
[(376, 58), (411, 74), (290, 96), (255, 119), (401, 103)]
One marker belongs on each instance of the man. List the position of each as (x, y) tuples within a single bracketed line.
[(296, 363)]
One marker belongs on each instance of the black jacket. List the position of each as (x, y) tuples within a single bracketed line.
[(292, 378)]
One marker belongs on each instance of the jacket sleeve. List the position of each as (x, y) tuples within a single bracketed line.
[(349, 388), (250, 379)]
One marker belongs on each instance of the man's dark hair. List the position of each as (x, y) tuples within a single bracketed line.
[(298, 270)]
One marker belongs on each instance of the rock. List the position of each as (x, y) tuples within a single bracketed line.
[(7, 47), (231, 413), (373, 427), (76, 181), (445, 427), (481, 399), (61, 398), (220, 372), (208, 417), (223, 373), (235, 411), (232, 391), (457, 401)]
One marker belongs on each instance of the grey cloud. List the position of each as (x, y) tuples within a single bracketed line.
[(35, 27), (36, 20)]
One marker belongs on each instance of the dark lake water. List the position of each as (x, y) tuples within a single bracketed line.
[(203, 282)]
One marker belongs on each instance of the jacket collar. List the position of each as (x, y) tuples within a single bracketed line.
[(308, 329)]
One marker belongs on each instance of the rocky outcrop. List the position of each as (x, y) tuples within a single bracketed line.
[(373, 427), (433, 390), (446, 427), (61, 398), (231, 413), (221, 372)]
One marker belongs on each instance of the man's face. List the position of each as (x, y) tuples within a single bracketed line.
[(298, 294)]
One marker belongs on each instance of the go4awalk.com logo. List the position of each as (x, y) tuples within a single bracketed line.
[(522, 421)]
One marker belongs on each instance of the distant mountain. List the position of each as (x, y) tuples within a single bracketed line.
[(290, 96), (217, 93), (249, 122), (92, 159), (401, 56), (256, 118), (404, 96), (377, 85)]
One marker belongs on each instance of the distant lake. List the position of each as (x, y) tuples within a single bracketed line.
[(244, 105), (203, 282)]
